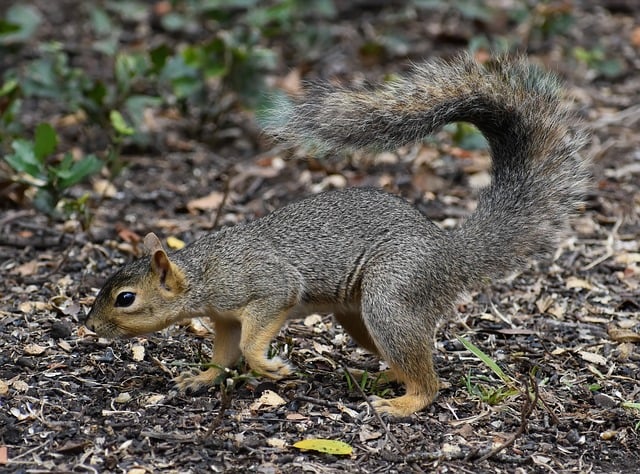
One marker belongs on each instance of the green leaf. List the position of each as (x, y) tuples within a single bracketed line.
[(26, 17), (486, 360), (119, 124), (46, 141), (24, 159), (8, 87), (79, 170), (159, 57), (100, 21), (328, 446), (45, 201)]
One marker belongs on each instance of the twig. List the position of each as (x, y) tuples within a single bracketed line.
[(611, 238), (375, 412), (317, 401), (527, 409), (225, 196), (225, 404)]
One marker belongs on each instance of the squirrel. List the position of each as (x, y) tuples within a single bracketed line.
[(386, 272)]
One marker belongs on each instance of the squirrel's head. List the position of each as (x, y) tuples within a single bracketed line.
[(142, 297)]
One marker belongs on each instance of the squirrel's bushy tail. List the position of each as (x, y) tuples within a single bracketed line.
[(538, 178)]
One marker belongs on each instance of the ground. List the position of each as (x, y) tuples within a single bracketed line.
[(565, 330)]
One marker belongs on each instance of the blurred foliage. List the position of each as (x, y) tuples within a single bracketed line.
[(208, 58)]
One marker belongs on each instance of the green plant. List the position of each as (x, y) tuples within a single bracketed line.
[(487, 393), (36, 166), (372, 385), (607, 65)]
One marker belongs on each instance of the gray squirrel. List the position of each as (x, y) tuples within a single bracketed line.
[(386, 272)]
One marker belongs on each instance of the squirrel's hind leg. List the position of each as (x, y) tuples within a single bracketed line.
[(403, 334)]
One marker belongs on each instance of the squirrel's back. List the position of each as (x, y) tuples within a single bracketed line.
[(538, 176)]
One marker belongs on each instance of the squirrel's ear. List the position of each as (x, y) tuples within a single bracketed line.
[(152, 243), (170, 276)]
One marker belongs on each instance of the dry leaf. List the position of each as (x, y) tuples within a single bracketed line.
[(105, 188), (137, 470), (296, 417), (575, 282), (175, 243), (19, 415), (124, 397), (622, 335), (34, 349), (20, 386), (268, 398), (65, 346), (312, 320), (593, 358), (153, 399), (627, 258), (4, 387), (608, 435), (26, 269), (138, 352), (367, 434), (276, 442), (209, 202), (200, 326), (30, 306)]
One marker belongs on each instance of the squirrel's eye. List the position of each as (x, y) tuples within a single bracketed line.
[(124, 299)]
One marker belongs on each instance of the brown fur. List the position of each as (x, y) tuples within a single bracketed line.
[(386, 272)]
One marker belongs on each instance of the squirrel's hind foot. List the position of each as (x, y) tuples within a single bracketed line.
[(403, 406)]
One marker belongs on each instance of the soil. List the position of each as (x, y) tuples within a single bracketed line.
[(565, 330)]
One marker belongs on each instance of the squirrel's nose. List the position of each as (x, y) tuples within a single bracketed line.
[(88, 322)]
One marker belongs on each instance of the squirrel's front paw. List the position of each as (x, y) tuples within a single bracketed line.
[(196, 381), (274, 368)]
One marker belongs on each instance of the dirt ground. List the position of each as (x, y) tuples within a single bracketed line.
[(566, 328)]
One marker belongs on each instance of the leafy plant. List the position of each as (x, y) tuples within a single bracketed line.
[(597, 59), (487, 393), (32, 161), (373, 385)]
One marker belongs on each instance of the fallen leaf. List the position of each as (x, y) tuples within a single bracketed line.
[(26, 269), (593, 358), (4, 387), (328, 446), (19, 414), (627, 258), (312, 320), (209, 202), (175, 243), (20, 385), (137, 470), (276, 442), (268, 398), (623, 335), (65, 346), (34, 349), (295, 417), (153, 399), (105, 188), (575, 282), (138, 352), (123, 397), (367, 434), (129, 236)]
